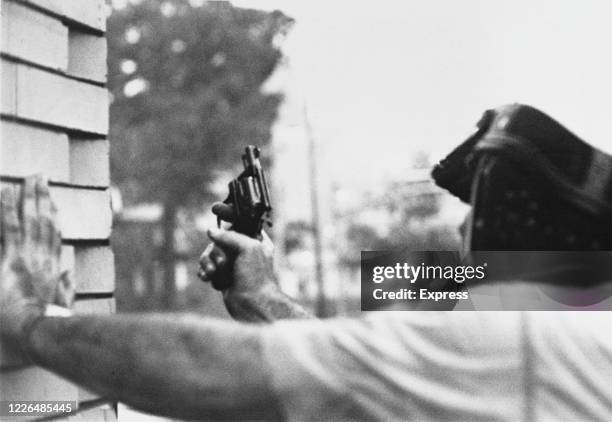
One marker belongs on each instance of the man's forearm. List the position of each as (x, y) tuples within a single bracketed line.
[(267, 306), (184, 367)]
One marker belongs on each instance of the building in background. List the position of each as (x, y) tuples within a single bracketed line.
[(54, 120)]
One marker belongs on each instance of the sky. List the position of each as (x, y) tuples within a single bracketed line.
[(385, 79), (382, 80)]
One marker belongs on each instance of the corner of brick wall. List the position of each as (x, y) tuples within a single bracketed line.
[(54, 120)]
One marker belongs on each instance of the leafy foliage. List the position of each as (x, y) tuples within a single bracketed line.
[(186, 88)]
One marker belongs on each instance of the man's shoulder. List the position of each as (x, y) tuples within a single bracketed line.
[(483, 328)]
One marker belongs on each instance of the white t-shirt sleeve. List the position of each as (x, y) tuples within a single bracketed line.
[(398, 366), (571, 361)]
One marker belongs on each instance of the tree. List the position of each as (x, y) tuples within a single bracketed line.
[(186, 98)]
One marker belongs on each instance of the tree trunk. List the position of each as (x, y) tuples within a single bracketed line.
[(167, 256)]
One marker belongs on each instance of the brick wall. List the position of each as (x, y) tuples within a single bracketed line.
[(54, 120)]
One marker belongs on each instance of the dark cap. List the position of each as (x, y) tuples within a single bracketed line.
[(537, 146)]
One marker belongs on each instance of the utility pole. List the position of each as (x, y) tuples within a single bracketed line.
[(317, 226)]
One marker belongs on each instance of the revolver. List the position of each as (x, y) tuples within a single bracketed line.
[(249, 197)]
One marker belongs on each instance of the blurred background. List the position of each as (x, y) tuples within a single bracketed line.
[(351, 102)]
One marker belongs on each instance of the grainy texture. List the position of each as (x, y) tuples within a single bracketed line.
[(89, 162), (34, 37), (29, 150), (8, 72), (95, 306), (87, 58), (92, 306), (53, 99), (83, 214), (34, 383), (94, 269), (87, 395), (98, 414), (89, 13), (55, 121)]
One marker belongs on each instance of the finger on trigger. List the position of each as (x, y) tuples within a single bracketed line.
[(224, 211), (205, 257), (207, 250), (30, 213)]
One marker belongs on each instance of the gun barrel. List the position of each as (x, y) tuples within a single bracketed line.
[(250, 158)]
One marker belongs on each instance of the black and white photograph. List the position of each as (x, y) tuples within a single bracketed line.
[(263, 210)]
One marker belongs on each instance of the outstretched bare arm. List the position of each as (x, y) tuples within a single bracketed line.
[(184, 367)]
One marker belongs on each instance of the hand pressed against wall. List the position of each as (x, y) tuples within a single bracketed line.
[(30, 252)]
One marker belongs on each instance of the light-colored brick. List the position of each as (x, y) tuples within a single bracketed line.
[(87, 12), (94, 269), (87, 56), (27, 150), (95, 306), (33, 36), (8, 72), (83, 213), (49, 98), (52, 6), (33, 383), (4, 25), (89, 162)]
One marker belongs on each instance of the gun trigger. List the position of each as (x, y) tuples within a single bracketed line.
[(218, 222)]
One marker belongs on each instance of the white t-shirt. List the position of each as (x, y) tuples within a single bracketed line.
[(456, 366)]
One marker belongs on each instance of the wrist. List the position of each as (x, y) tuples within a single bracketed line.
[(266, 287), (18, 314), (32, 320)]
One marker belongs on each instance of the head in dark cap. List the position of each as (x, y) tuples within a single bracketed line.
[(532, 184)]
